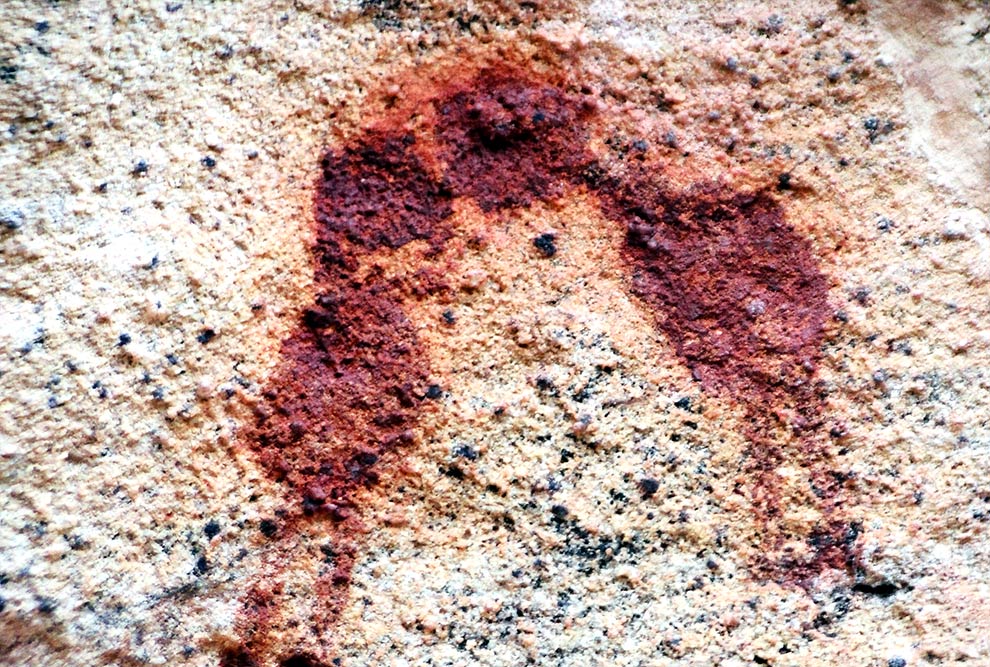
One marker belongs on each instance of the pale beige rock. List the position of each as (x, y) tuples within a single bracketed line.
[(115, 456)]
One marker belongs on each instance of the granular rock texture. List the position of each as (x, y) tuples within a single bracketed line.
[(734, 289), (553, 334)]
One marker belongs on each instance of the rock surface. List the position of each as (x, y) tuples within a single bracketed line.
[(390, 333)]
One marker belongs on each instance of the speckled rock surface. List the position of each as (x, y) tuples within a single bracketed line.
[(545, 333)]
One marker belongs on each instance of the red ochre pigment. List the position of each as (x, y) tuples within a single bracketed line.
[(729, 283)]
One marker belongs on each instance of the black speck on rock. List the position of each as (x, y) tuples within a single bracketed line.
[(838, 431), (467, 452), (46, 605), (897, 662), (140, 168), (559, 512), (8, 71), (453, 472), (648, 486), (237, 657), (206, 335), (545, 244), (784, 182), (212, 528), (546, 384), (42, 27), (11, 220), (683, 403), (434, 392), (366, 458), (882, 589), (202, 565), (123, 339), (876, 128), (268, 527), (302, 660), (209, 162)]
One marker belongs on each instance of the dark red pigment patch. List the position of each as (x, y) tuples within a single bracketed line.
[(732, 286), (742, 299)]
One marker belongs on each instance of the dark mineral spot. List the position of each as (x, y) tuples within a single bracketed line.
[(876, 128), (648, 486), (882, 589), (268, 527), (237, 657), (301, 660), (8, 71), (212, 528), (466, 451), (545, 244)]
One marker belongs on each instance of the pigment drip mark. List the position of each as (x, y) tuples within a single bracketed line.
[(728, 282)]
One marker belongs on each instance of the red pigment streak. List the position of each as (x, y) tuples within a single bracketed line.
[(742, 299), (732, 286)]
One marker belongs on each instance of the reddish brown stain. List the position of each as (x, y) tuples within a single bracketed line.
[(740, 295), (508, 141), (733, 287)]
